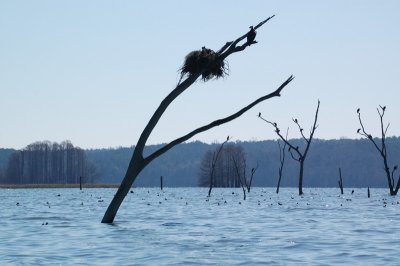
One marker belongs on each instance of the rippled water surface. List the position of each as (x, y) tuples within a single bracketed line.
[(181, 226)]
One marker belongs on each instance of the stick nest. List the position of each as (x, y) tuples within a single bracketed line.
[(205, 60)]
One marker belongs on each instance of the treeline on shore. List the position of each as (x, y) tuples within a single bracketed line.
[(181, 166), (48, 163)]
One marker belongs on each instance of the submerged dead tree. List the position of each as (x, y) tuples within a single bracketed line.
[(214, 163), (205, 69), (282, 156), (340, 182), (244, 181), (295, 152), (381, 149)]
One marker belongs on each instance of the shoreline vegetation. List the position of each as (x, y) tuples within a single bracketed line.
[(23, 186)]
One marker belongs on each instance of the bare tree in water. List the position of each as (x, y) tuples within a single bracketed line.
[(282, 156), (213, 165), (203, 63), (295, 152), (340, 182), (381, 148)]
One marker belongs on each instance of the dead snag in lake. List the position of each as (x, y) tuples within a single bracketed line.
[(295, 152), (214, 68), (239, 177), (248, 184), (161, 183), (340, 181), (381, 148), (369, 193), (213, 164), (245, 182), (282, 156)]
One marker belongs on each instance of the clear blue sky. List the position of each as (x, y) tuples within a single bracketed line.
[(93, 72)]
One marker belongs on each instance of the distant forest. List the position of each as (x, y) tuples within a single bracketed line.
[(47, 163), (359, 161)]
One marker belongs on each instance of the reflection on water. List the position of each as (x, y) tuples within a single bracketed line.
[(181, 226)]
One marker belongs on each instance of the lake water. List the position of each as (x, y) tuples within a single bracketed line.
[(180, 226)]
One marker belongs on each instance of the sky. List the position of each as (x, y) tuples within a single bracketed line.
[(93, 72)]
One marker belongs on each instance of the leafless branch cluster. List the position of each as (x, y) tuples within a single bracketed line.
[(245, 182), (295, 152), (381, 148)]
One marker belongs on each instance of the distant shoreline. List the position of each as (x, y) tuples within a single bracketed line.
[(17, 186)]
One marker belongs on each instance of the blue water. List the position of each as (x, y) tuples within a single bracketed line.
[(181, 227)]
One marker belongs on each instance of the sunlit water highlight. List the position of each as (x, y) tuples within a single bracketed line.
[(180, 226)]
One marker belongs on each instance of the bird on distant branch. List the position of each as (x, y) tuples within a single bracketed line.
[(251, 35)]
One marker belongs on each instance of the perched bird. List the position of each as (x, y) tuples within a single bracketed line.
[(295, 120), (251, 35), (358, 110), (358, 130), (259, 114)]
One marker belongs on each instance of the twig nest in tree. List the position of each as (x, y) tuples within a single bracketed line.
[(205, 60)]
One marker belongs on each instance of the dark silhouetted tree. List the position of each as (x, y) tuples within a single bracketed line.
[(381, 148), (340, 182), (295, 152), (241, 174), (206, 64), (213, 181), (282, 156)]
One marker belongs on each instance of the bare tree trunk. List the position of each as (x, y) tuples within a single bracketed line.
[(340, 181), (161, 182), (135, 167), (282, 162), (214, 163), (301, 176)]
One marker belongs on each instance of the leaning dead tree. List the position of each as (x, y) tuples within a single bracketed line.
[(295, 152), (206, 64), (381, 148), (213, 164)]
